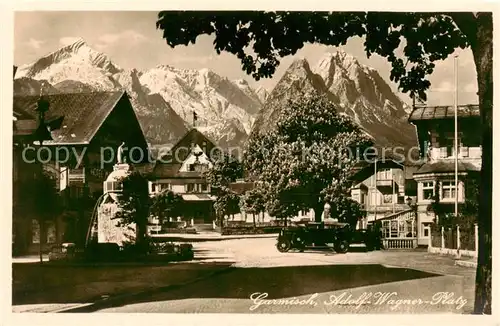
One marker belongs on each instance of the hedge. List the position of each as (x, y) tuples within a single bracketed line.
[(249, 230)]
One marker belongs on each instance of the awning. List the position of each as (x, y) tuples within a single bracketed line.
[(197, 197)]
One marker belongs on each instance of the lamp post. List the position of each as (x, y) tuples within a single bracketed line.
[(41, 134), (456, 135)]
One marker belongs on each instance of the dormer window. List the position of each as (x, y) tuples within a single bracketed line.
[(197, 167)]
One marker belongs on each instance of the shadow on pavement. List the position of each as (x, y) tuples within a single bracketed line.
[(278, 282), (42, 284)]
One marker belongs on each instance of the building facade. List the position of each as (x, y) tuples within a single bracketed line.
[(79, 157), (436, 176), (182, 170)]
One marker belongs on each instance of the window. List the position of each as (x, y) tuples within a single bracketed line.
[(51, 231), (447, 144), (426, 232), (35, 231), (192, 167), (394, 228), (427, 190), (386, 229), (387, 199), (190, 187), (153, 187), (204, 187), (449, 189)]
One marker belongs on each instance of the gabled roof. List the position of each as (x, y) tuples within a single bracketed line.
[(182, 149), (443, 112), (363, 170), (83, 113)]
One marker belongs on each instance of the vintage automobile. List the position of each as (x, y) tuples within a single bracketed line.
[(317, 235), (371, 238)]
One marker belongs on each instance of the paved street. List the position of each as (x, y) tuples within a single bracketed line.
[(314, 282)]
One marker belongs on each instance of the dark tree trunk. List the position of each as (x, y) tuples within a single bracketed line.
[(482, 48), (253, 217)]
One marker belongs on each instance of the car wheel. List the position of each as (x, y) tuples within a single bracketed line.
[(342, 247), (283, 245)]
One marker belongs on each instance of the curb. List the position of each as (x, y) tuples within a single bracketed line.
[(201, 238), (119, 299)]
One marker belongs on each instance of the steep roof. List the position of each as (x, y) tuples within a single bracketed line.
[(444, 166), (182, 149), (83, 113), (443, 112)]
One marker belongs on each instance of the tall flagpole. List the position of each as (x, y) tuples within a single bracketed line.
[(456, 135), (376, 192)]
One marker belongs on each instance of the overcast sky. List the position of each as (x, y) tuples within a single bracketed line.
[(131, 40)]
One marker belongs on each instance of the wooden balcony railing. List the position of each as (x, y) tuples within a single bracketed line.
[(400, 243), (77, 175)]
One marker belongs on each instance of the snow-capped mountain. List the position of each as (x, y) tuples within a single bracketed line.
[(77, 62), (358, 91), (226, 110), (165, 97), (215, 99), (262, 94)]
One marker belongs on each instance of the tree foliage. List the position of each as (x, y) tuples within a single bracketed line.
[(224, 170), (45, 196), (307, 157), (259, 39), (346, 210), (134, 203), (253, 202), (167, 205), (226, 204)]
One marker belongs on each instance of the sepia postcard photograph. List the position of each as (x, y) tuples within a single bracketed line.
[(252, 162)]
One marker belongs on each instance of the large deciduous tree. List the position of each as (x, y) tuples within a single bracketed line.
[(308, 156), (134, 205), (166, 205), (253, 202), (225, 169), (259, 39)]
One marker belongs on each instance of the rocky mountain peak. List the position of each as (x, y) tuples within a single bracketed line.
[(358, 91)]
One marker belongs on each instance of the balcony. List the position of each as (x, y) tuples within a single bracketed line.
[(76, 175), (385, 186), (400, 243)]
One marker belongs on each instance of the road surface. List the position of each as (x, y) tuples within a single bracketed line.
[(262, 280)]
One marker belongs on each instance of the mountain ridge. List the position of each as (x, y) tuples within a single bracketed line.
[(228, 111)]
